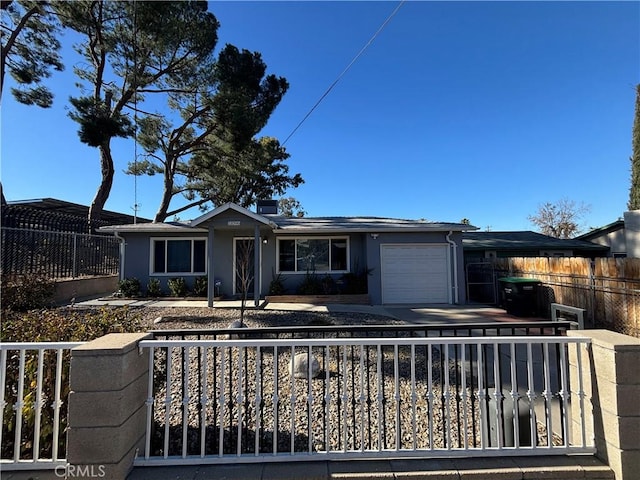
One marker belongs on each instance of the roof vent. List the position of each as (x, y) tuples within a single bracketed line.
[(267, 207)]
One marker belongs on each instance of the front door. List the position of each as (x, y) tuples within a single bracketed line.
[(244, 261)]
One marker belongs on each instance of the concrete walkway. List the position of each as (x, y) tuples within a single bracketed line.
[(578, 467), (413, 314)]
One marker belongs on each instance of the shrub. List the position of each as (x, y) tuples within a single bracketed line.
[(328, 285), (26, 292), (129, 287), (49, 325), (311, 285), (356, 282), (153, 288), (66, 324), (276, 287), (177, 286), (200, 286)]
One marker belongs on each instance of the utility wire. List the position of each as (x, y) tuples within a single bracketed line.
[(136, 207), (359, 54)]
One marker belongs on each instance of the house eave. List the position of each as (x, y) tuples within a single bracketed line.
[(319, 231), (163, 228), (236, 208)]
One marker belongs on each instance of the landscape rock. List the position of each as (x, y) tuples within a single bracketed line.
[(299, 367)]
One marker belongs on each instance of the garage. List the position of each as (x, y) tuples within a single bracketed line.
[(415, 273)]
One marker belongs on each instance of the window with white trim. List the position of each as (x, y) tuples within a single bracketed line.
[(178, 255), (313, 254)]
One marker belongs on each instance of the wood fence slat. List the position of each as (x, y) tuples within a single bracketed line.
[(607, 288)]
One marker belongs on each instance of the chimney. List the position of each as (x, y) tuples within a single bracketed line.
[(267, 207)]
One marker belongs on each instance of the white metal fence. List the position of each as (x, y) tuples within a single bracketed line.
[(250, 400), (34, 387)]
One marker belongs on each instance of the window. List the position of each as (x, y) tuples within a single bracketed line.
[(313, 255), (178, 255)]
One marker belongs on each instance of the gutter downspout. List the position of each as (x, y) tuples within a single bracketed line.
[(455, 266), (122, 250)]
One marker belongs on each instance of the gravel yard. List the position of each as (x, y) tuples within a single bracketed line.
[(188, 318), (354, 403), (236, 400)]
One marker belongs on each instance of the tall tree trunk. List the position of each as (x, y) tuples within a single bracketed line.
[(106, 167), (167, 194)]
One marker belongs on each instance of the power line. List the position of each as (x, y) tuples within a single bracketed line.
[(384, 24)]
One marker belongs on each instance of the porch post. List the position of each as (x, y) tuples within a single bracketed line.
[(256, 265), (210, 276)]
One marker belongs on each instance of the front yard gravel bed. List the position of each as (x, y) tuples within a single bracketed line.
[(316, 423), (167, 318)]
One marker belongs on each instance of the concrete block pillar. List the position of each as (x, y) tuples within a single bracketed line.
[(611, 381), (107, 416)]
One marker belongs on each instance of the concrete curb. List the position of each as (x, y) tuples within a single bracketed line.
[(503, 468)]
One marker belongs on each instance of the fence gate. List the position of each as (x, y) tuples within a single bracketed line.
[(481, 285)]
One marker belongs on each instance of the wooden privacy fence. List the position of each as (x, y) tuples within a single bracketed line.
[(607, 288)]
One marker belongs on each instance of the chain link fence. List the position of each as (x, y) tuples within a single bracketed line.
[(57, 255)]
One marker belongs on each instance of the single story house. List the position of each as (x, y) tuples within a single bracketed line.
[(479, 246), (406, 261), (622, 236)]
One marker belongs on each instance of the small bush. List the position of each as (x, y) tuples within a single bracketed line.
[(129, 287), (357, 281), (153, 288), (26, 292), (66, 324), (53, 325), (276, 287), (177, 287), (311, 285), (328, 285), (200, 286)]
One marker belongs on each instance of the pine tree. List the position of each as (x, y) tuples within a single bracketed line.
[(30, 49), (131, 49)]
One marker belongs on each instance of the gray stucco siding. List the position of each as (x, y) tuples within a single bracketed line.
[(223, 259), (356, 257), (373, 249), (137, 261)]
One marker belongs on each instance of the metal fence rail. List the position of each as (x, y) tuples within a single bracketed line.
[(373, 331), (57, 254), (250, 400), (34, 387)]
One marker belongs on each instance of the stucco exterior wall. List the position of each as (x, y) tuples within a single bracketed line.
[(373, 259), (137, 259), (364, 253), (614, 240), (223, 259), (632, 233), (357, 261)]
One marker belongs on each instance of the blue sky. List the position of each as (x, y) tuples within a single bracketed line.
[(478, 110)]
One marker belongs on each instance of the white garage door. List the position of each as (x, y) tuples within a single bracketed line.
[(415, 273)]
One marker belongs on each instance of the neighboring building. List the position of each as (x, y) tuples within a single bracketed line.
[(478, 246), (409, 261), (56, 215), (611, 236), (622, 236)]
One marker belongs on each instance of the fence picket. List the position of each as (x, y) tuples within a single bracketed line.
[(57, 254), (421, 399), (607, 288)]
